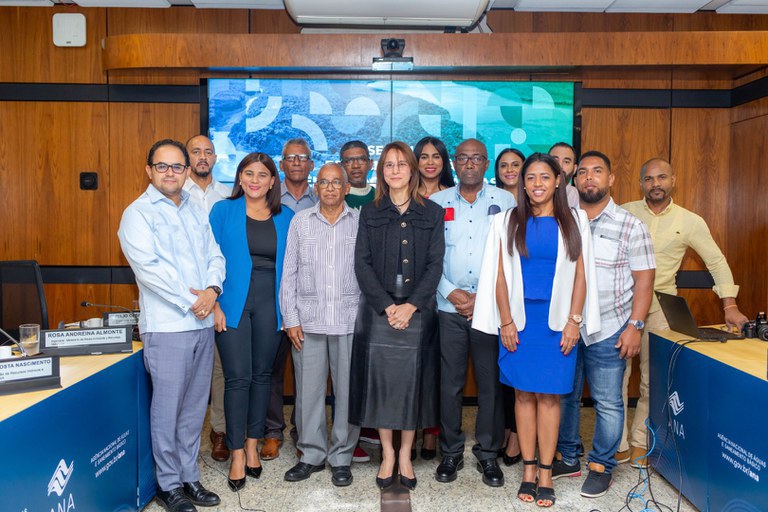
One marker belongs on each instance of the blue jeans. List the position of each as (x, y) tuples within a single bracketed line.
[(604, 369)]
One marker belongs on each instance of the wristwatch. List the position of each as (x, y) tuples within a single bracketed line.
[(639, 324), (216, 290), (577, 319)]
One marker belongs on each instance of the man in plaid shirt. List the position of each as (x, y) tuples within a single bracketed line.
[(625, 266)]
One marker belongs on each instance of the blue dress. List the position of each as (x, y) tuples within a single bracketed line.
[(538, 365)]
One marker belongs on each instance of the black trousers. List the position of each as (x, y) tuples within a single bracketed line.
[(509, 408), (457, 341), (247, 354)]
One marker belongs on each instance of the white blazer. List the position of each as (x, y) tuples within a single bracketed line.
[(486, 317)]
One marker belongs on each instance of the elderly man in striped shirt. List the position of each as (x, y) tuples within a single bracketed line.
[(318, 299)]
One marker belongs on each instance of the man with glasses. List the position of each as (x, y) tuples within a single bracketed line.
[(356, 160), (179, 270), (469, 208), (205, 192), (296, 165), (318, 300)]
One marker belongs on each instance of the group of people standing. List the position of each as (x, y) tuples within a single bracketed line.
[(542, 282)]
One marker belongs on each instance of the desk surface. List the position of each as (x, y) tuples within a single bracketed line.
[(749, 356), (72, 369)]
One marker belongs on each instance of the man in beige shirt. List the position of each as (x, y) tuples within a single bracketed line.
[(673, 229)]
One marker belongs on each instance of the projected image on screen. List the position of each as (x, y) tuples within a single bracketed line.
[(248, 115)]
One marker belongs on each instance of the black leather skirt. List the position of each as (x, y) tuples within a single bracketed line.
[(395, 374)]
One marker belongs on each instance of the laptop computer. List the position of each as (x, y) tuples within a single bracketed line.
[(680, 319)]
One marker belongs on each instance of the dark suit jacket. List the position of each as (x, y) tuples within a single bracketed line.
[(386, 239)]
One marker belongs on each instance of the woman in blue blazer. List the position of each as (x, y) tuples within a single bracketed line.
[(251, 228)]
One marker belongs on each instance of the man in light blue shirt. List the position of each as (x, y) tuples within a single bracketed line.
[(179, 270), (469, 208)]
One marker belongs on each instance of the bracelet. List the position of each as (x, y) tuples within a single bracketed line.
[(730, 306), (574, 324), (506, 324)]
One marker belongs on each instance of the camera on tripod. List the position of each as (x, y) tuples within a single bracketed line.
[(757, 328)]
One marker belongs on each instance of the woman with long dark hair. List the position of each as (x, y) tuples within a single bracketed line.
[(251, 228), (395, 354), (532, 291), (434, 166), (507, 170)]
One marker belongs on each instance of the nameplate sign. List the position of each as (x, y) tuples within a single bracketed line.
[(83, 342), (22, 374), (113, 319)]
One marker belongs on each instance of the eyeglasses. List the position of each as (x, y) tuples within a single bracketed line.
[(476, 159), (292, 158), (163, 167), (354, 160), (327, 183), (390, 166)]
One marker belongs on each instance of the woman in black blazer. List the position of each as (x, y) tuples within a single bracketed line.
[(395, 356)]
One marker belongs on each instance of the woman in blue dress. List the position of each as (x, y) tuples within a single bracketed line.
[(532, 291)]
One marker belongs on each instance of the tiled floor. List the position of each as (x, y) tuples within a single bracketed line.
[(271, 493)]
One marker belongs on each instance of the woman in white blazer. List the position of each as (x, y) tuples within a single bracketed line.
[(536, 290)]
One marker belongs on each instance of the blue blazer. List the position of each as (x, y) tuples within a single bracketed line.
[(228, 224)]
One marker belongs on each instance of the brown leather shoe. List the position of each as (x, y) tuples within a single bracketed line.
[(219, 450), (638, 457), (622, 456), (271, 449)]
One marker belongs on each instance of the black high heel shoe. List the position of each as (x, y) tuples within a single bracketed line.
[(383, 483), (511, 461), (408, 483), (236, 485), (428, 454), (253, 472)]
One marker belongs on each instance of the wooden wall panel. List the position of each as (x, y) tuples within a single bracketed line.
[(748, 213), (133, 128), (700, 156), (173, 20), (64, 301), (272, 21), (178, 20), (43, 148), (628, 137), (123, 294), (28, 53), (749, 110), (710, 20)]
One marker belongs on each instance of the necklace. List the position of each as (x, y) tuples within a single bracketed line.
[(401, 204)]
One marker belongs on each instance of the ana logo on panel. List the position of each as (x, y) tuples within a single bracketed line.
[(60, 477), (675, 403)]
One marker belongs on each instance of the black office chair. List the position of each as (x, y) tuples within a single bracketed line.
[(22, 297)]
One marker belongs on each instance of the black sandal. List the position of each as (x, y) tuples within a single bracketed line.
[(545, 493), (527, 488)]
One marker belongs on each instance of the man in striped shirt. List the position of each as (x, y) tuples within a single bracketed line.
[(318, 299), (625, 265)]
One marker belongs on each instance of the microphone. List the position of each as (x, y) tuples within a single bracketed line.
[(21, 347), (87, 304)]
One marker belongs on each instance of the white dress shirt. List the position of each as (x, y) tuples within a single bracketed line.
[(212, 194), (170, 249)]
